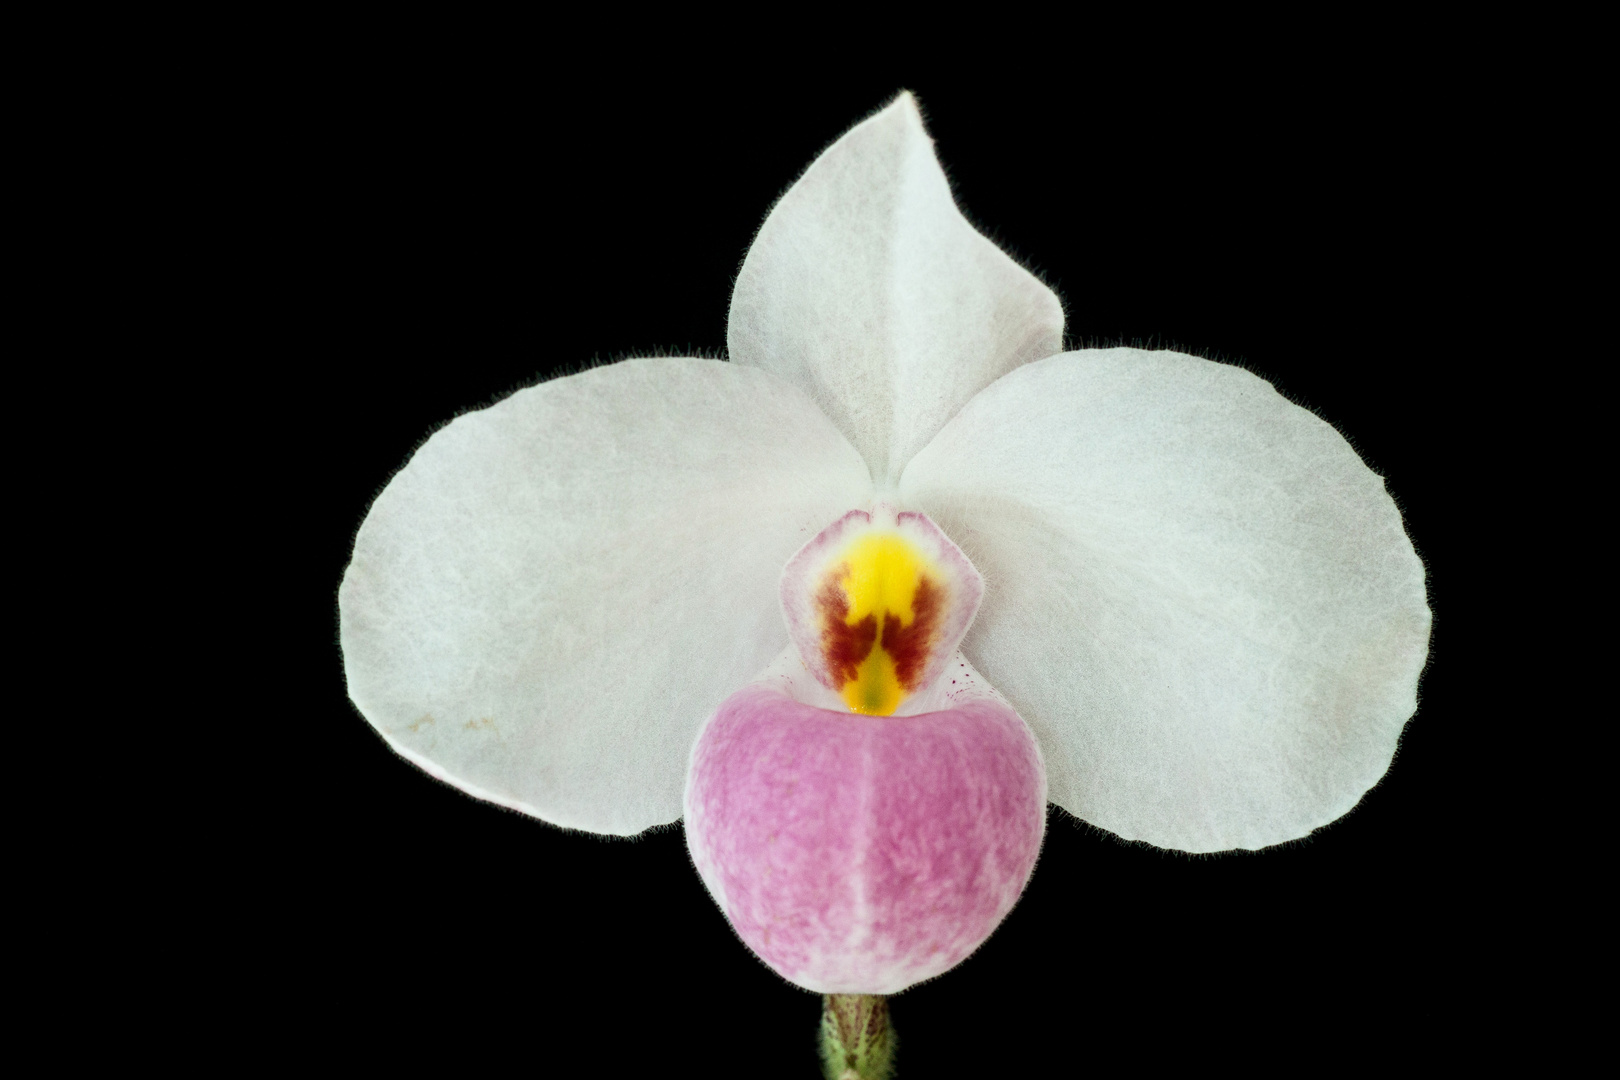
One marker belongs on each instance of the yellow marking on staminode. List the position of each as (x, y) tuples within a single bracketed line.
[(880, 579), (876, 690), (883, 569)]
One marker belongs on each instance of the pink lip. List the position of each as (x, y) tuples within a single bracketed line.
[(862, 854)]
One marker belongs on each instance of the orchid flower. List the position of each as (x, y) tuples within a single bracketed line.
[(859, 602)]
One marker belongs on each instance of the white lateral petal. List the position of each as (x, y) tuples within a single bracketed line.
[(553, 595), (868, 289), (1200, 599)]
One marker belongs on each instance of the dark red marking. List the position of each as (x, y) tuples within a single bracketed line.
[(909, 645), (843, 645)]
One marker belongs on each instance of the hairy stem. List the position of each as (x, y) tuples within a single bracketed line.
[(856, 1043)]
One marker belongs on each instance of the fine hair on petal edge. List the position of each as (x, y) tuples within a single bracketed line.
[(808, 165), (1215, 356), (540, 378), (1012, 251), (1156, 343), (1177, 854)]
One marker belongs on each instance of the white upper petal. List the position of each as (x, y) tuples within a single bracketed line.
[(1196, 594), (553, 595), (868, 289)]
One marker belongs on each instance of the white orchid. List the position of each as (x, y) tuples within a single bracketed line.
[(605, 600)]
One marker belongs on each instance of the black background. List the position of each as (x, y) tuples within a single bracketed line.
[(434, 239)]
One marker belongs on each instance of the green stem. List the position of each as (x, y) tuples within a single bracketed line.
[(856, 1043)]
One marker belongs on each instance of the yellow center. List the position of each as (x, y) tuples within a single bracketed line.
[(880, 579)]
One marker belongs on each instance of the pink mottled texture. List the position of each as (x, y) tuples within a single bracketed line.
[(862, 854)]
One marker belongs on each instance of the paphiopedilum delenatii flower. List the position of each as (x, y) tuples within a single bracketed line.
[(1139, 584)]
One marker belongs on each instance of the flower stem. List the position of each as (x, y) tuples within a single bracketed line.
[(856, 1043)]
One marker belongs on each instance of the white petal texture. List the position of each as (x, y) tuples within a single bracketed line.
[(868, 289), (1196, 594), (549, 600)]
